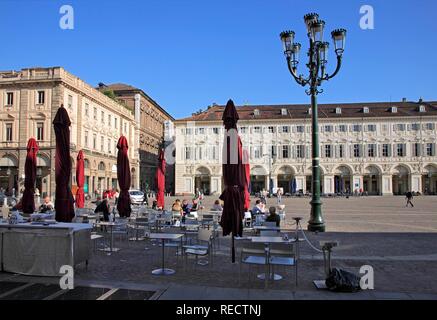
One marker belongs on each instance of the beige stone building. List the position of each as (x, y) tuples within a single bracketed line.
[(153, 120), (380, 148), (29, 100)]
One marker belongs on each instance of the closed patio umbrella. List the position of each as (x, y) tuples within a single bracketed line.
[(28, 201), (124, 178), (247, 181), (160, 180), (234, 177), (80, 180), (64, 198)]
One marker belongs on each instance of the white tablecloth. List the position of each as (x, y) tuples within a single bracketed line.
[(42, 250)]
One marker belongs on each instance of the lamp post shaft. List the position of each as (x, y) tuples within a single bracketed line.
[(316, 222)]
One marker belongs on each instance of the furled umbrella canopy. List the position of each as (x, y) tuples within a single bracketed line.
[(247, 181), (28, 200), (124, 178), (234, 177), (64, 198), (80, 180), (160, 180)]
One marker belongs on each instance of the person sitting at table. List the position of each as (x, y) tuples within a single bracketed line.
[(177, 206), (273, 217), (155, 205), (217, 206), (258, 209), (103, 207), (47, 205), (194, 206)]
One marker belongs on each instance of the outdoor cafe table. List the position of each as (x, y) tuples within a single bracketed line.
[(267, 241), (164, 236), (111, 226), (41, 250)]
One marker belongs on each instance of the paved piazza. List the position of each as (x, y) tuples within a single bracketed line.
[(398, 242)]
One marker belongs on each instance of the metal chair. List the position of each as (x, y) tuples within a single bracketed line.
[(269, 233), (204, 237), (253, 254), (284, 254)]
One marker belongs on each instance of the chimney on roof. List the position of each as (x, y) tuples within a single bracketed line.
[(404, 99)]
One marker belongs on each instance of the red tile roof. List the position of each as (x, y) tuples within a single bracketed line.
[(300, 111)]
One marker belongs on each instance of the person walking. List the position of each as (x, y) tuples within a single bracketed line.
[(409, 197), (279, 195)]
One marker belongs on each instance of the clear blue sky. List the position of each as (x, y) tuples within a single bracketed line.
[(187, 54)]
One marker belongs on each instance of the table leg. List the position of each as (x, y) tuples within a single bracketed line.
[(163, 270)]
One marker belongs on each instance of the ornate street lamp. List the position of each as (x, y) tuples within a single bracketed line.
[(318, 59)]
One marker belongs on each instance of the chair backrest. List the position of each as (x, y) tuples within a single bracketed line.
[(204, 234), (253, 248), (269, 224), (207, 217), (247, 215), (283, 249), (269, 233), (259, 218)]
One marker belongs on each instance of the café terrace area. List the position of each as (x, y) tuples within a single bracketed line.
[(397, 242)]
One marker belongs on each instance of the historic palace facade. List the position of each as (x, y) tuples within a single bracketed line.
[(29, 100), (381, 148), (152, 119)]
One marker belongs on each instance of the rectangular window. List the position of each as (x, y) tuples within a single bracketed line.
[(416, 150), (200, 130), (342, 128), (256, 129), (386, 150), (356, 128), (102, 146), (215, 130), (328, 128), (87, 109), (271, 129), (125, 128), (86, 139), (300, 151), (285, 129), (9, 132), (70, 102), (41, 97), (272, 152), (371, 150), (257, 152), (328, 153), (95, 114), (242, 130), (9, 98), (357, 150), (371, 127), (400, 150), (300, 129), (116, 123), (430, 149), (341, 151), (40, 131), (94, 141), (400, 127), (214, 153), (415, 126), (109, 120), (285, 152), (188, 153), (429, 126), (109, 146), (188, 131), (102, 117)]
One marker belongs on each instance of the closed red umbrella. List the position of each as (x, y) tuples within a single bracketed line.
[(247, 180), (80, 180), (160, 180), (234, 176), (124, 178), (28, 201), (64, 198)]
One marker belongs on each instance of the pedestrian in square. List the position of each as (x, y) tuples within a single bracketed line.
[(409, 197)]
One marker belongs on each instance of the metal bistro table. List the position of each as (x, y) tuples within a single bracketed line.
[(164, 236), (111, 225), (267, 241)]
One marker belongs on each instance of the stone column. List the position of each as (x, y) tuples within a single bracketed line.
[(357, 182), (328, 184), (300, 183), (415, 183)]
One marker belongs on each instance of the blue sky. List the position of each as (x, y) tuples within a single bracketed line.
[(187, 54)]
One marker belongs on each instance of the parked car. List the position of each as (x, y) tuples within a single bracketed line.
[(136, 196)]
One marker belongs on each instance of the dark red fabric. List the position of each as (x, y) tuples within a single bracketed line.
[(64, 198), (234, 176), (124, 178), (28, 201), (160, 180), (80, 180), (247, 181)]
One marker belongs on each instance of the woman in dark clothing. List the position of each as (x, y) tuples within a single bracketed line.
[(273, 217), (103, 207)]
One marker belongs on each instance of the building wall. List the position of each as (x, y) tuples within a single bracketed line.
[(80, 100), (374, 173)]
